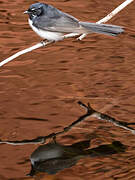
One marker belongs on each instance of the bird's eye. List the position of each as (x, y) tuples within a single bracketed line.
[(33, 9)]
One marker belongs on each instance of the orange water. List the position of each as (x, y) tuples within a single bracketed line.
[(39, 90)]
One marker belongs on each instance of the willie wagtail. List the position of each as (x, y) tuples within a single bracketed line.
[(52, 24)]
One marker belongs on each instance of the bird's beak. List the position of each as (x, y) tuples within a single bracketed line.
[(26, 12)]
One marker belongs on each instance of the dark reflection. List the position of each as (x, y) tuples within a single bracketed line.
[(32, 119), (54, 157)]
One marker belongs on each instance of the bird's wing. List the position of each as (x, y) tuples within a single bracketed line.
[(56, 21)]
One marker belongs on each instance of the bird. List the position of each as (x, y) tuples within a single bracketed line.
[(53, 25)]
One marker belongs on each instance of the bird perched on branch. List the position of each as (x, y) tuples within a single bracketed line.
[(54, 25)]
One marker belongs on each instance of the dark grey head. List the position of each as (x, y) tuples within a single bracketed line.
[(36, 9)]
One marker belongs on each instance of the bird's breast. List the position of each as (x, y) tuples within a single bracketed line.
[(55, 36)]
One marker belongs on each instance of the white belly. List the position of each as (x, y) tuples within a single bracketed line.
[(55, 36)]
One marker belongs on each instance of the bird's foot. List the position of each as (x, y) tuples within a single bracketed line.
[(45, 42)]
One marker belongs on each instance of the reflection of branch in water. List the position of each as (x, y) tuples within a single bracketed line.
[(105, 117), (54, 157), (121, 124), (90, 112), (42, 139)]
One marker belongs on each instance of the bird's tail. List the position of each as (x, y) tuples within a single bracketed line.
[(111, 30)]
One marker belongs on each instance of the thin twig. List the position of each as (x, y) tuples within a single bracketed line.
[(115, 11), (105, 19)]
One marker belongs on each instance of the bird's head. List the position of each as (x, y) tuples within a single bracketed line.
[(35, 9)]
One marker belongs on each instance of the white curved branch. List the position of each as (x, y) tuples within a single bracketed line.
[(115, 11), (41, 44), (105, 19)]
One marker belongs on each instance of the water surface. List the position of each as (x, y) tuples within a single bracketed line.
[(39, 90)]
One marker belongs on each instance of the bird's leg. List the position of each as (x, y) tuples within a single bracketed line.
[(81, 37), (70, 35), (54, 139), (74, 35)]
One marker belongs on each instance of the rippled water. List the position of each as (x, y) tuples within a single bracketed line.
[(39, 90)]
